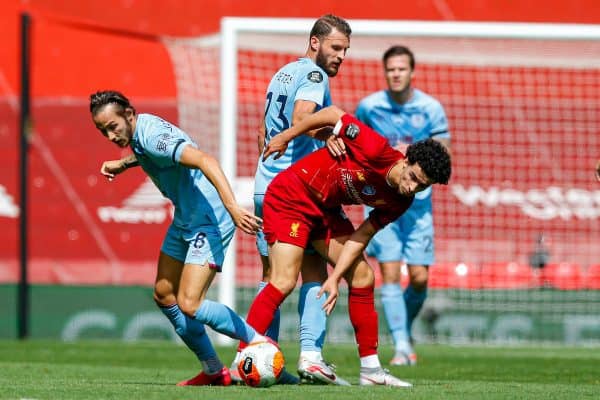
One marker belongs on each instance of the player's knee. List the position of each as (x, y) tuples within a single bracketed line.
[(389, 276), (163, 295), (188, 306), (390, 271), (283, 284), (418, 280), (363, 276)]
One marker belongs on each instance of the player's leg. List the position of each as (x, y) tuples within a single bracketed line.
[(387, 247), (362, 312), (313, 324), (313, 320), (416, 292), (166, 287), (205, 256), (272, 332), (285, 261), (263, 251), (419, 254)]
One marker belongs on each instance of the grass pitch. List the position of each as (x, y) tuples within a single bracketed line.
[(149, 370)]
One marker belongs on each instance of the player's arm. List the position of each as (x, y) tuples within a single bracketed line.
[(598, 170), (352, 250), (191, 157), (112, 168), (303, 109), (326, 117)]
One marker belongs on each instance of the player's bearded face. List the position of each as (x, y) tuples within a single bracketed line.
[(398, 73), (115, 127), (332, 51)]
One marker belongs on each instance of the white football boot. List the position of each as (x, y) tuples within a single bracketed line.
[(380, 376), (319, 372)]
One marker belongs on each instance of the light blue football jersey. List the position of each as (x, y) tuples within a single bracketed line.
[(158, 146), (420, 118), (299, 80)]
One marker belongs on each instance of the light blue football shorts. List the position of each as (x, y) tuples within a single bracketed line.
[(205, 244), (408, 239)]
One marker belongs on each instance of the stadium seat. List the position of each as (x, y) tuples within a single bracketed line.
[(592, 277), (507, 275), (563, 276), (454, 275)]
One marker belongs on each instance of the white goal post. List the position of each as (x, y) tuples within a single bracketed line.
[(513, 86)]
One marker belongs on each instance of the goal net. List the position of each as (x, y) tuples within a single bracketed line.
[(517, 228)]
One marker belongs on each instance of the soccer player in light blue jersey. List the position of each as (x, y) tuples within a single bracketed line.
[(206, 214), (404, 115), (297, 90)]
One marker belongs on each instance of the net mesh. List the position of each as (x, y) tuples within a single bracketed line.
[(517, 228)]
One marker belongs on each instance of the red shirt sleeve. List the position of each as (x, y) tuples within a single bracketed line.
[(381, 216), (368, 147)]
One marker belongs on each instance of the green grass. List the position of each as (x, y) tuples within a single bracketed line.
[(149, 370)]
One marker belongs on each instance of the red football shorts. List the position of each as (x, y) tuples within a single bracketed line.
[(291, 214)]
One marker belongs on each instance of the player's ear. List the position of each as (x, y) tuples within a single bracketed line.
[(315, 43), (129, 113)]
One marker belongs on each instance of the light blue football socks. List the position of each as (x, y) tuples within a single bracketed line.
[(191, 331), (224, 320), (394, 309), (313, 320)]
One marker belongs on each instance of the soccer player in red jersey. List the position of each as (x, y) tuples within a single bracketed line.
[(304, 204)]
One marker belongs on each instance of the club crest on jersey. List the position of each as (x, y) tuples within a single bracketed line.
[(315, 76), (294, 229), (369, 190), (352, 131)]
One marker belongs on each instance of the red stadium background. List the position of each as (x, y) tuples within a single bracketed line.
[(84, 230)]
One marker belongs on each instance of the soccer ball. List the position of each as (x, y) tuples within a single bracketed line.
[(260, 364)]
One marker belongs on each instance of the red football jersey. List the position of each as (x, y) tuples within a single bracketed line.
[(359, 177)]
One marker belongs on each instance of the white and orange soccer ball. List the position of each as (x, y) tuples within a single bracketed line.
[(261, 364)]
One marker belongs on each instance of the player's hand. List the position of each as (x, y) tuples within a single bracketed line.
[(245, 220), (598, 170), (112, 168), (336, 146), (330, 286), (277, 145)]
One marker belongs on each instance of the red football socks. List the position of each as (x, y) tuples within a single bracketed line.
[(364, 319), (262, 309)]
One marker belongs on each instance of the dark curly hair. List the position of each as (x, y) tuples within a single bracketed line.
[(101, 98), (433, 158)]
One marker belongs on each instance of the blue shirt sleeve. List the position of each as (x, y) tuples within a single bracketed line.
[(312, 86), (361, 112), (165, 143), (439, 122)]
